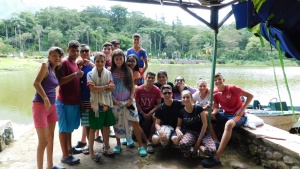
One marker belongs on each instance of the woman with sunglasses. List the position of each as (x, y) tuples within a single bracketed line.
[(180, 86)]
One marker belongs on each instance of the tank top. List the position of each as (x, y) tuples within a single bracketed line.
[(49, 84)]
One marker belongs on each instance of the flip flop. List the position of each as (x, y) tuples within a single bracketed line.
[(96, 158)]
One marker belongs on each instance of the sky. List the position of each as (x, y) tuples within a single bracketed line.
[(151, 11)]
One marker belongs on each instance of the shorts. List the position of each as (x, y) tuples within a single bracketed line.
[(68, 117), (41, 116), (222, 117), (169, 132), (85, 114), (105, 119)]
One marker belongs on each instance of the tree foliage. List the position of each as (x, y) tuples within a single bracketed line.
[(94, 25)]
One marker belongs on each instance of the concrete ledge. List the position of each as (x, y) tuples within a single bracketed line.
[(6, 134), (269, 146)]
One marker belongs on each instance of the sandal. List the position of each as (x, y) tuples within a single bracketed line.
[(96, 158), (130, 143), (108, 153), (142, 152), (123, 141), (117, 149), (70, 160), (86, 150)]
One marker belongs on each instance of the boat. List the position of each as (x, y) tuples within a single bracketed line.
[(272, 114)]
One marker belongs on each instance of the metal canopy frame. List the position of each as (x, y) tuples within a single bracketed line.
[(214, 23)]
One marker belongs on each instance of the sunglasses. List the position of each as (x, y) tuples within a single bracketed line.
[(167, 93), (179, 80), (84, 51)]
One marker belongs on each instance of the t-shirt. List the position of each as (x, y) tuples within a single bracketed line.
[(191, 121), (177, 93), (141, 55), (84, 89), (147, 99), (69, 93), (204, 102), (169, 114), (230, 99)]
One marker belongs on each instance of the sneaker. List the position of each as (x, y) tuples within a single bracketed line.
[(123, 141), (210, 162), (130, 143), (117, 149), (99, 139), (80, 144), (150, 148), (71, 160), (57, 167), (142, 152), (112, 133), (75, 151)]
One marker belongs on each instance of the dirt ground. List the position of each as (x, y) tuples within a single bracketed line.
[(21, 154)]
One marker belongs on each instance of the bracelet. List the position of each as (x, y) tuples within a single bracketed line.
[(201, 134)]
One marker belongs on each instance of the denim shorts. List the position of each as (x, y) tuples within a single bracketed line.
[(223, 118)]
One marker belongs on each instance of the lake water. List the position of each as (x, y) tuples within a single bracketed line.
[(17, 91)]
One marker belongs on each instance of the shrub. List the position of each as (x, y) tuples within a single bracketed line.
[(172, 62), (3, 55)]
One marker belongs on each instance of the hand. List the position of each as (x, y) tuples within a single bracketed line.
[(80, 73), (47, 104), (196, 147), (162, 136), (111, 85), (179, 134), (128, 102), (86, 62)]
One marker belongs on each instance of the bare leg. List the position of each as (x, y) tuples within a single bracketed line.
[(105, 134), (63, 144), (226, 137), (91, 142), (83, 134), (51, 128), (42, 136), (137, 132)]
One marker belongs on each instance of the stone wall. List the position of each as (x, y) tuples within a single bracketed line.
[(264, 152), (6, 134)]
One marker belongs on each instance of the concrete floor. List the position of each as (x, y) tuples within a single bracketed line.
[(21, 154)]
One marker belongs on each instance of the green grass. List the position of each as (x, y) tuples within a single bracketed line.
[(11, 64)]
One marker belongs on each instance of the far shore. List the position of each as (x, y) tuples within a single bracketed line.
[(12, 64)]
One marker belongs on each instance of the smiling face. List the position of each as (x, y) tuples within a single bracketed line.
[(55, 58), (107, 50), (118, 60), (73, 53), (186, 97), (150, 79), (179, 81), (162, 79), (131, 62), (202, 86), (167, 94), (85, 53), (219, 81), (99, 62)]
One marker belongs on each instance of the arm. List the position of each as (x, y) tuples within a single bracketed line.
[(246, 103), (178, 127), (132, 90), (43, 72), (158, 102), (202, 132), (66, 79)]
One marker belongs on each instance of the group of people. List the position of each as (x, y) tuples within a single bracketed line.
[(111, 88)]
